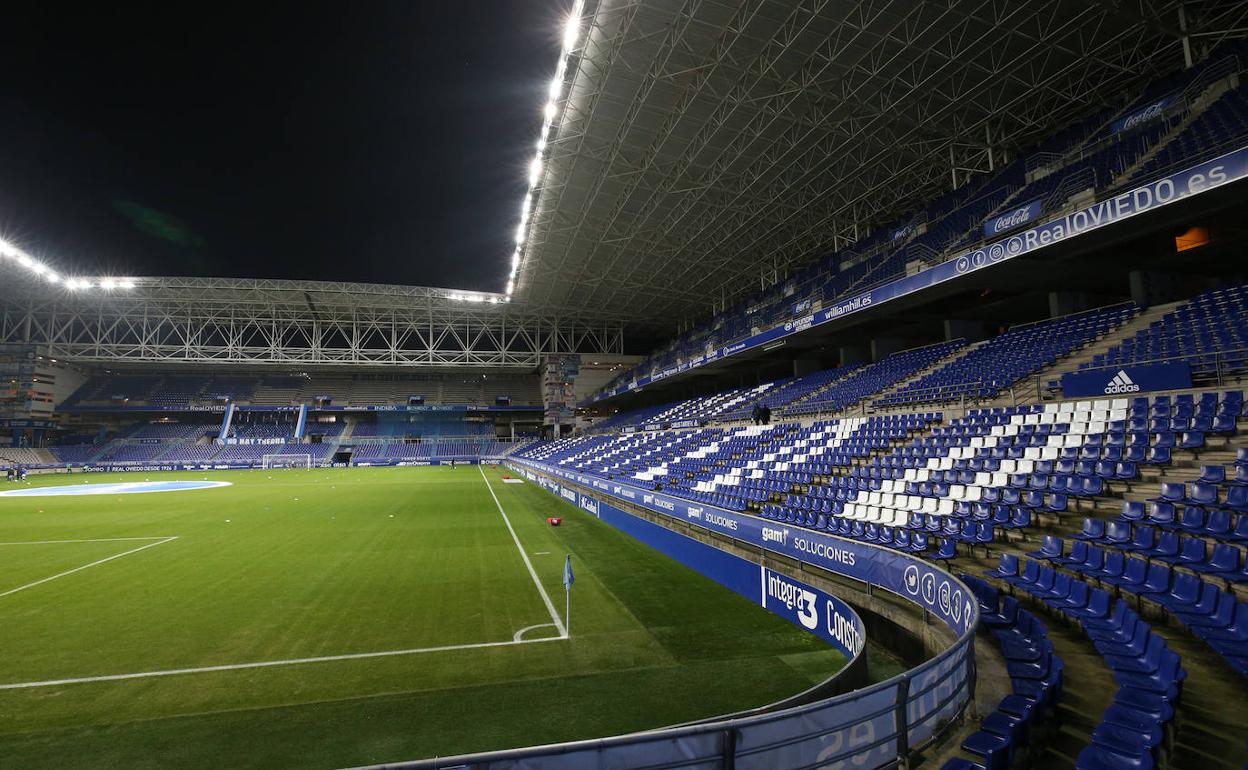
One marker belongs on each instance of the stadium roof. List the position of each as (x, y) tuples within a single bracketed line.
[(282, 323), (706, 147)]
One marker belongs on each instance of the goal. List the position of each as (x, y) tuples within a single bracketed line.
[(286, 461)]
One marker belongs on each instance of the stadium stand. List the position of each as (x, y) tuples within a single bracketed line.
[(992, 366), (1209, 333)]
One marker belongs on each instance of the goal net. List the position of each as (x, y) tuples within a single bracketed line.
[(286, 461)]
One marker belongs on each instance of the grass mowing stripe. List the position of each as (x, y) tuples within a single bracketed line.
[(563, 632), (95, 563)]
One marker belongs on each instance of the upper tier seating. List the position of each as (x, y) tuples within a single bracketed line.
[(1210, 333), (872, 379), (996, 364), (1219, 129)]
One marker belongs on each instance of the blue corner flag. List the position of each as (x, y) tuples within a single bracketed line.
[(568, 577)]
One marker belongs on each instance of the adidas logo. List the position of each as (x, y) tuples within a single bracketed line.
[(1121, 384)]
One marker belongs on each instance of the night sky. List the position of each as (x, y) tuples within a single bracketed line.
[(372, 141)]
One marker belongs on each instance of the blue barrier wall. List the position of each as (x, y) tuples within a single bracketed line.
[(817, 611)]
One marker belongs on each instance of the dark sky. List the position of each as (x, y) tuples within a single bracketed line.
[(373, 141)]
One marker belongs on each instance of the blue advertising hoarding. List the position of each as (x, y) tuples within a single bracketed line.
[(1196, 180), (1127, 380), (815, 610)]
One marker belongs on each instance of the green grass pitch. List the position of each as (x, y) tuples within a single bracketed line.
[(296, 564)]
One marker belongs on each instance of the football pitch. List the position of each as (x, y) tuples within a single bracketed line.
[(334, 618)]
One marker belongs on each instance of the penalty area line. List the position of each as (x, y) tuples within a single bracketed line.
[(550, 607), (95, 563), (273, 663)]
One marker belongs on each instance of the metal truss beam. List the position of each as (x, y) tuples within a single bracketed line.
[(285, 323)]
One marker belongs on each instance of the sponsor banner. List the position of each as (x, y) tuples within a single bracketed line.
[(652, 426), (1013, 219), (903, 232), (1198, 179), (685, 424), (817, 611), (1127, 380), (922, 583), (416, 463), (1144, 115)]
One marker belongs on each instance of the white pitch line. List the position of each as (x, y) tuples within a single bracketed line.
[(89, 540), (86, 566), (519, 635), (532, 573), (271, 663)]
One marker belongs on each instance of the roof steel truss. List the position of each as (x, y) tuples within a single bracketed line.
[(286, 323)]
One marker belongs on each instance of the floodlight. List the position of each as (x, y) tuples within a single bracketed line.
[(535, 170), (572, 29)]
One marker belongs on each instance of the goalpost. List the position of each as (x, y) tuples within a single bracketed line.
[(269, 462)]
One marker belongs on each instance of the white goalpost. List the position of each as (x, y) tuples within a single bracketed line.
[(269, 462)]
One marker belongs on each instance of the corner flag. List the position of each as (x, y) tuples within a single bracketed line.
[(568, 580)]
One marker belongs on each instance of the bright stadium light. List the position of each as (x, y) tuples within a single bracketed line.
[(572, 28), (108, 284), (550, 114)]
